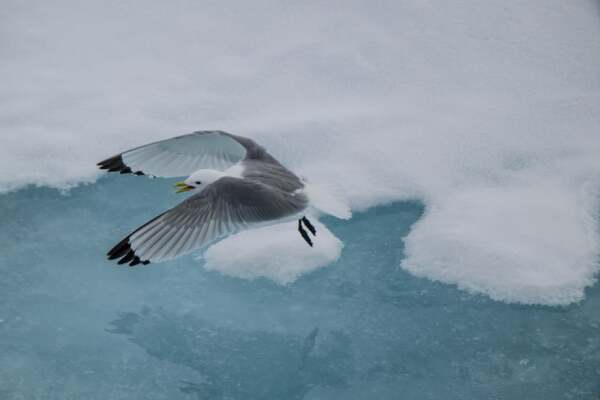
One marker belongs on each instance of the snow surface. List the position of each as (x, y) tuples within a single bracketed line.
[(487, 112)]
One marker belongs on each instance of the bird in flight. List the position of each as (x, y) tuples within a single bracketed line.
[(236, 184)]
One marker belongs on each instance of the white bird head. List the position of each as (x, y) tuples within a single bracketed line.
[(199, 180)]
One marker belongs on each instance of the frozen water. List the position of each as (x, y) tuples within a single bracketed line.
[(75, 326), (273, 252)]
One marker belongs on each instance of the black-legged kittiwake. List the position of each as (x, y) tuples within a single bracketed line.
[(237, 185)]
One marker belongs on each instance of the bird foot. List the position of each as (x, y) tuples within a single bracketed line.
[(305, 222)]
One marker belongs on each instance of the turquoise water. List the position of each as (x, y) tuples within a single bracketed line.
[(75, 326)]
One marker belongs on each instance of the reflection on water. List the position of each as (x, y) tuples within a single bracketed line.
[(238, 364)]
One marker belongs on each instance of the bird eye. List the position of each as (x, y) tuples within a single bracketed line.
[(198, 183)]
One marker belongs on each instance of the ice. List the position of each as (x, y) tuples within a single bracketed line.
[(77, 326), (274, 252), (548, 258)]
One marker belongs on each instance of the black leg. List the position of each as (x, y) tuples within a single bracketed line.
[(304, 234), (310, 226)]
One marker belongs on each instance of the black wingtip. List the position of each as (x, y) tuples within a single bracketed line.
[(119, 250), (128, 257), (136, 260), (125, 254), (116, 164)]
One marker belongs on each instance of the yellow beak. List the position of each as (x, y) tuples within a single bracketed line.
[(183, 187)]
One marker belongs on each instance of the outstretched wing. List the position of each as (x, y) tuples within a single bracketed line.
[(182, 155), (225, 206)]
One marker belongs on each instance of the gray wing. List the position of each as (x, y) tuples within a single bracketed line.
[(224, 207), (182, 155)]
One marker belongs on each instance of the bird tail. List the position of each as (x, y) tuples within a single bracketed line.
[(328, 200)]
